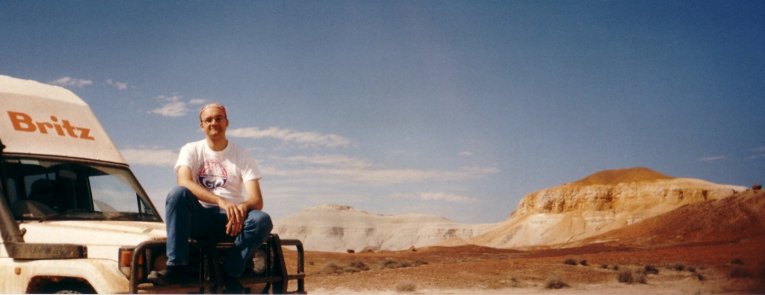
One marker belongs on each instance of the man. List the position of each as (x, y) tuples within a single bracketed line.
[(212, 175)]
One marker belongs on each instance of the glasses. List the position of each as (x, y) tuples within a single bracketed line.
[(210, 120)]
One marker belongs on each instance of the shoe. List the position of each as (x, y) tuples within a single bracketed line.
[(231, 285), (168, 276)]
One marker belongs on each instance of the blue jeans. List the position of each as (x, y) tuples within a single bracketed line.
[(186, 218)]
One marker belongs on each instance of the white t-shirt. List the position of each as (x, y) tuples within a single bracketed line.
[(223, 173)]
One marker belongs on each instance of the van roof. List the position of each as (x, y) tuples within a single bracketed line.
[(42, 119)]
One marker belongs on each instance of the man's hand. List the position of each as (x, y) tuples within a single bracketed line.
[(235, 214)]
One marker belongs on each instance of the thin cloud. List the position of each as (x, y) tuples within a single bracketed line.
[(197, 101), (466, 153), (757, 153), (292, 136), (172, 106), (709, 159), (369, 175), (71, 82), (435, 196), (117, 85), (150, 156), (327, 160)]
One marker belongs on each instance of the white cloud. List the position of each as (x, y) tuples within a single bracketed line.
[(757, 153), (150, 156), (118, 85), (292, 136), (435, 196), (71, 82), (466, 153), (359, 172), (197, 101), (172, 106), (327, 160)]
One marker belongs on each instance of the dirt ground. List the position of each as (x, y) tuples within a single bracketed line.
[(724, 267)]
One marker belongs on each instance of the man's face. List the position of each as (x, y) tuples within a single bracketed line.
[(214, 123)]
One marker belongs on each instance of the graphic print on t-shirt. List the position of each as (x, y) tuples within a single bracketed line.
[(212, 175)]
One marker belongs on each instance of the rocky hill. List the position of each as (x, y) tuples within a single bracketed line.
[(562, 215), (338, 228), (596, 204), (735, 218)]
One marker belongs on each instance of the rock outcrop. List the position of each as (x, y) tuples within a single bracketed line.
[(596, 204), (553, 217), (338, 228)]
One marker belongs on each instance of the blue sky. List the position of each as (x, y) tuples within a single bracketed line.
[(452, 108)]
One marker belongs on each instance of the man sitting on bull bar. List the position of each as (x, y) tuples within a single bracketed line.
[(213, 176)]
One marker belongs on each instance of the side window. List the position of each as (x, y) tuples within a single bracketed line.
[(10, 186)]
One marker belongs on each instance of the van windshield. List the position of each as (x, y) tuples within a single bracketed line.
[(40, 189)]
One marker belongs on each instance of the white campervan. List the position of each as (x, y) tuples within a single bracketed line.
[(73, 217)]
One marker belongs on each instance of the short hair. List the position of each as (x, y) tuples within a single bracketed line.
[(212, 105)]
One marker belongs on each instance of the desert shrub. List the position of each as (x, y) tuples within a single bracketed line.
[(650, 269), (406, 286), (389, 263), (583, 262), (739, 273), (357, 266), (640, 278), (699, 276), (616, 267), (393, 264), (628, 277), (555, 283), (625, 276), (604, 266), (331, 268), (737, 261), (678, 267), (570, 261), (691, 269), (419, 262)]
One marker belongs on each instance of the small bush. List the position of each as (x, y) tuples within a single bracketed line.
[(406, 286), (570, 261), (331, 268), (393, 264), (691, 269), (650, 269), (419, 262), (555, 283), (678, 267), (359, 265), (737, 261), (628, 277), (699, 276), (640, 278), (616, 267), (604, 266), (625, 276), (583, 262)]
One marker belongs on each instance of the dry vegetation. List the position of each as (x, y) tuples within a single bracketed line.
[(708, 268), (725, 255)]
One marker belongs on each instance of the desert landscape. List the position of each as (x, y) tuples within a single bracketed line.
[(626, 231)]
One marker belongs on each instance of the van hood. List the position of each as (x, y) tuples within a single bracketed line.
[(102, 238)]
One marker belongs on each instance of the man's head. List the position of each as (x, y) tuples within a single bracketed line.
[(213, 120)]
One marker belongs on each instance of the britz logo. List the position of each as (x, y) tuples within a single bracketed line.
[(24, 122)]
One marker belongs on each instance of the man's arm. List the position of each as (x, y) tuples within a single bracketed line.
[(254, 199)]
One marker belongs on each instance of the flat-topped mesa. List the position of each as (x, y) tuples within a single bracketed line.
[(622, 190)]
